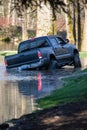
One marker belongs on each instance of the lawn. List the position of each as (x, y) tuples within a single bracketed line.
[(83, 54), (74, 90), (5, 53)]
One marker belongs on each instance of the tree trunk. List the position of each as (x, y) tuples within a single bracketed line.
[(78, 25), (84, 42), (44, 16), (69, 24), (6, 10), (24, 25), (74, 23)]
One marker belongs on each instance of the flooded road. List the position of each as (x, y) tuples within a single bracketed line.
[(19, 90)]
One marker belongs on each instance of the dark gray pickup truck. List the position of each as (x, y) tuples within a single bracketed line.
[(44, 52)]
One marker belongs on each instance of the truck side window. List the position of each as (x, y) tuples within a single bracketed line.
[(60, 41), (46, 44), (54, 42)]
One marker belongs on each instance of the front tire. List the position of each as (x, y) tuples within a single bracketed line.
[(77, 63)]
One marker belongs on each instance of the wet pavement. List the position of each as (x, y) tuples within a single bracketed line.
[(19, 90)]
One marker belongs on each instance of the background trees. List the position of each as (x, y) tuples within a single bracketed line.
[(75, 16)]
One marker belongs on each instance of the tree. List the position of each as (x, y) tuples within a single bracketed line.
[(24, 24), (56, 5), (84, 43), (22, 6), (77, 23), (69, 22), (74, 27)]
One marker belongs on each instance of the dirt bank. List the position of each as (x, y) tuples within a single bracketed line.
[(72, 116)]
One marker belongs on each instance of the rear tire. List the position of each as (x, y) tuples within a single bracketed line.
[(53, 64), (77, 63)]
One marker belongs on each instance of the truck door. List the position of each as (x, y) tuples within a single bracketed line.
[(65, 48), (57, 47)]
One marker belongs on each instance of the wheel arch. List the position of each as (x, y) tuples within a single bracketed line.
[(52, 57), (76, 51)]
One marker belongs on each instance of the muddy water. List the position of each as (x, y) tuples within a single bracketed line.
[(19, 90)]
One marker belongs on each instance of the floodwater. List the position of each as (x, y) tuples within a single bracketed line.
[(19, 90)]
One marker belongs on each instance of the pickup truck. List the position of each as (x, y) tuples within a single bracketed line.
[(47, 52)]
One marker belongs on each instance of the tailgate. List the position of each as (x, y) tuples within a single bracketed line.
[(21, 58)]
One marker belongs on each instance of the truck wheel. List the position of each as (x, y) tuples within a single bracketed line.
[(77, 63), (53, 64)]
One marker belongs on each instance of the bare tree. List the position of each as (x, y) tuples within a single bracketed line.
[(84, 43), (73, 20), (24, 24), (56, 5), (77, 23)]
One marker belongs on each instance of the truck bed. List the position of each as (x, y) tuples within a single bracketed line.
[(21, 58)]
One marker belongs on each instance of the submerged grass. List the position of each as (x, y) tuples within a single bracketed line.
[(74, 90)]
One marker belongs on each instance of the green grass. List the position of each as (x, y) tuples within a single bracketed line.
[(83, 54), (73, 91), (5, 53)]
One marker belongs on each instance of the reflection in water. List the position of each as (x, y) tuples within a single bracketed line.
[(19, 90), (12, 103), (39, 82), (40, 86)]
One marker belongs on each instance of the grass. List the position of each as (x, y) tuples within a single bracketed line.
[(5, 53), (73, 91), (83, 54)]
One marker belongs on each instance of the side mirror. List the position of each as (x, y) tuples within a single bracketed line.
[(67, 40)]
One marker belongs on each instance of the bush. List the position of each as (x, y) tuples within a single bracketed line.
[(7, 40)]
